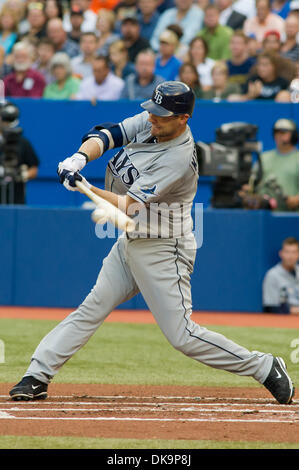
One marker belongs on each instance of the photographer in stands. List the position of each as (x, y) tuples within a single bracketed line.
[(275, 185), (281, 283), (18, 160)]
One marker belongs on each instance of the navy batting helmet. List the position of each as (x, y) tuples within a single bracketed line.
[(171, 98)]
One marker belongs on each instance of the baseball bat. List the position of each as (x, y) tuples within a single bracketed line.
[(108, 210)]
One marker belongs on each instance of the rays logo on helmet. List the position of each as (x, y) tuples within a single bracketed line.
[(158, 97)]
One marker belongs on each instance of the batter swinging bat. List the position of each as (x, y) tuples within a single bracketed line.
[(107, 212)]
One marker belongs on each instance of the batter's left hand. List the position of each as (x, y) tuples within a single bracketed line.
[(70, 178)]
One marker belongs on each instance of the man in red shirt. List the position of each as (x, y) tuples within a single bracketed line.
[(24, 81)]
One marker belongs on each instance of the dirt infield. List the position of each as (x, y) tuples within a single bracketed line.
[(144, 316), (152, 412)]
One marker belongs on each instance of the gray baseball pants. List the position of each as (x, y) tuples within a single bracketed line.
[(160, 269)]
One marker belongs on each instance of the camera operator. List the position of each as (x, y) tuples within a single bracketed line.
[(18, 160), (278, 185)]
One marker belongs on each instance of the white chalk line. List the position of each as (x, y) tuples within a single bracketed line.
[(161, 397), (176, 420), (156, 410)]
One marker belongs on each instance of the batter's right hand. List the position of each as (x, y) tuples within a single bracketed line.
[(71, 164)]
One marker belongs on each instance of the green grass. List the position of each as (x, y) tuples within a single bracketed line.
[(122, 353), (48, 442)]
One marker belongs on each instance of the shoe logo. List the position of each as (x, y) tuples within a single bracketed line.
[(278, 374), (35, 386)]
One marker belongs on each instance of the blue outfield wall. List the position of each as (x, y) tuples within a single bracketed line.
[(49, 254), (51, 257), (55, 129)]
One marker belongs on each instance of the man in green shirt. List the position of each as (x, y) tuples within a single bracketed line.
[(216, 35), (280, 169)]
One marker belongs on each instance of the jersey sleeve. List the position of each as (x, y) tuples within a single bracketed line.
[(131, 126)]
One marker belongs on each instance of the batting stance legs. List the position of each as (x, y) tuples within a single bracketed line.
[(160, 270)]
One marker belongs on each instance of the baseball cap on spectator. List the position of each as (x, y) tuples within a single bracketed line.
[(168, 37), (76, 11), (272, 32), (284, 125), (130, 19), (294, 5)]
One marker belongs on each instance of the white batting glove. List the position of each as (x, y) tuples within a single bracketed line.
[(74, 163)]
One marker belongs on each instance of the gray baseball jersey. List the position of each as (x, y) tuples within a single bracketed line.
[(158, 266), (163, 176)]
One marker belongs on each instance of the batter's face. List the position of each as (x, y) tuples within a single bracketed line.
[(167, 128)]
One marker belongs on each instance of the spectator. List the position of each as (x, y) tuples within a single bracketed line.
[(281, 8), (148, 17), (281, 283), (130, 31), (23, 165), (123, 9), (37, 19), (76, 21), (272, 44), (45, 52), (140, 86), (103, 85), (263, 21), (188, 74), (198, 52), (65, 86), (105, 27), (182, 49), (228, 15), (167, 65), (187, 15), (277, 180), (267, 82), (53, 9), (216, 36), (290, 48), (221, 88), (82, 64), (254, 47), (89, 17), (19, 8), (240, 64), (24, 81), (58, 36), (8, 29), (119, 58)]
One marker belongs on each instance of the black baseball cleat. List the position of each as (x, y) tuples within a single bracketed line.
[(29, 388), (279, 383)]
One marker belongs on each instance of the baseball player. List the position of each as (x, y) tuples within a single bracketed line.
[(155, 167)]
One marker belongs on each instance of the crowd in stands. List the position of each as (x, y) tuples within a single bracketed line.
[(235, 50)]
